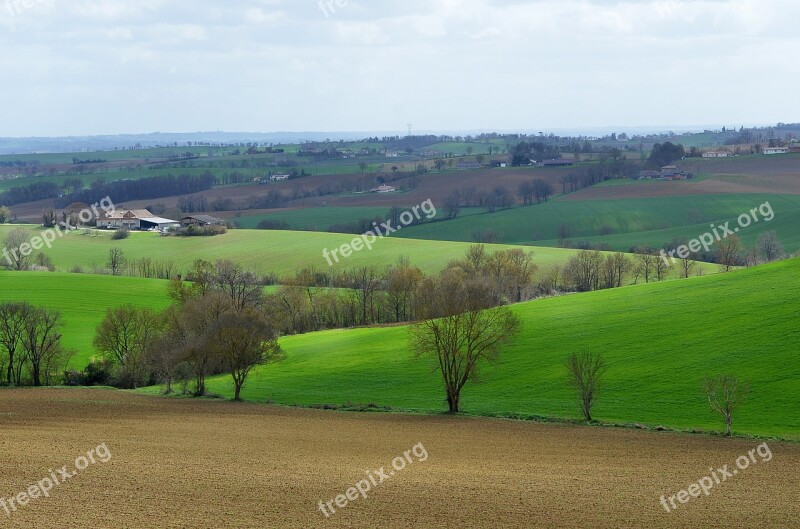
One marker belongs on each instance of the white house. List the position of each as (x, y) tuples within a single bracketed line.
[(392, 154), (716, 154), (776, 150), (279, 177), (384, 189)]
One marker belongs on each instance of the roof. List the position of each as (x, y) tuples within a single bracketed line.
[(159, 220), (203, 218), (127, 213)]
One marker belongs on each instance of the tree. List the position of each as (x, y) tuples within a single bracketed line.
[(729, 252), (586, 371), (5, 215), (614, 269), (243, 287), (244, 340), (41, 339), (125, 336), (458, 332), (770, 247), (116, 261), (362, 166), (402, 282), (542, 190), (452, 205), (645, 261), (725, 394), (12, 253), (13, 318), (583, 270)]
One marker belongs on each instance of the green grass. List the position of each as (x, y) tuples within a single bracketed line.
[(652, 221), (660, 341), (279, 252), (83, 301)]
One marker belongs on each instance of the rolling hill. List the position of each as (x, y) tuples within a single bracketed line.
[(660, 341)]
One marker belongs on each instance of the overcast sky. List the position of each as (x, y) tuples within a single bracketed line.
[(80, 67)]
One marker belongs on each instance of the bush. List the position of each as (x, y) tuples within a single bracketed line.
[(97, 373), (203, 231), (120, 235)]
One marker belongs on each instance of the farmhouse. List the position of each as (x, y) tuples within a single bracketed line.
[(498, 163), (201, 220), (716, 154), (672, 172), (557, 163), (647, 175), (776, 150), (134, 219), (279, 177), (383, 189)]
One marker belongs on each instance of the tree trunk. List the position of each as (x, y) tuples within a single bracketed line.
[(452, 402), (238, 390), (36, 376)]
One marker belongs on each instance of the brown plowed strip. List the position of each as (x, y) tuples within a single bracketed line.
[(187, 463)]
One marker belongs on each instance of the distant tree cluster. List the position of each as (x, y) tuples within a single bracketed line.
[(142, 189)]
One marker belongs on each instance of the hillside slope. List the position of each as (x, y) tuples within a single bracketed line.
[(744, 323)]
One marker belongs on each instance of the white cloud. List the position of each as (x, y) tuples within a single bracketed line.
[(98, 66)]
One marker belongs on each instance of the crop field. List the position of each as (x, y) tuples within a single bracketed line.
[(263, 251), (199, 463), (623, 223), (654, 380)]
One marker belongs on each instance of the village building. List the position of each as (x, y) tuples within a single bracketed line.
[(134, 219), (776, 150), (201, 220), (383, 189)]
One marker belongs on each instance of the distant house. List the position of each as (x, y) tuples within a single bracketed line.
[(776, 150), (467, 166), (672, 172), (498, 163), (392, 154), (201, 220), (279, 177), (134, 219), (383, 189), (557, 163), (647, 175), (716, 154)]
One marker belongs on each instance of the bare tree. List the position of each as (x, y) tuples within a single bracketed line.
[(645, 261), (13, 257), (459, 333), (770, 246), (116, 261), (729, 253), (586, 371), (125, 336), (725, 394), (13, 317), (243, 287), (41, 339), (244, 340)]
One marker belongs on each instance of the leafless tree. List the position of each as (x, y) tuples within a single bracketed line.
[(586, 371), (725, 394), (13, 318), (116, 261), (125, 336), (459, 333), (244, 340), (770, 246), (243, 287), (729, 253), (13, 257), (41, 339), (645, 262)]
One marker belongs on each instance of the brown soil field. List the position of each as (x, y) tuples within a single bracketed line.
[(213, 464)]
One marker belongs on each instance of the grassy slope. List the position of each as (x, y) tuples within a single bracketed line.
[(281, 252), (82, 300), (633, 221), (660, 340)]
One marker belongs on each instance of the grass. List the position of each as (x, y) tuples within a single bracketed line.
[(279, 252), (631, 222), (83, 301), (660, 341)]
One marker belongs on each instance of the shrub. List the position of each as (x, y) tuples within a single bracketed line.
[(121, 234)]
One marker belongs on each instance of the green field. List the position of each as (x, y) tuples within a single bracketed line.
[(83, 301), (631, 222), (660, 340), (279, 252)]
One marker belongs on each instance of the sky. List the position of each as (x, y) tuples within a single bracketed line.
[(88, 67)]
